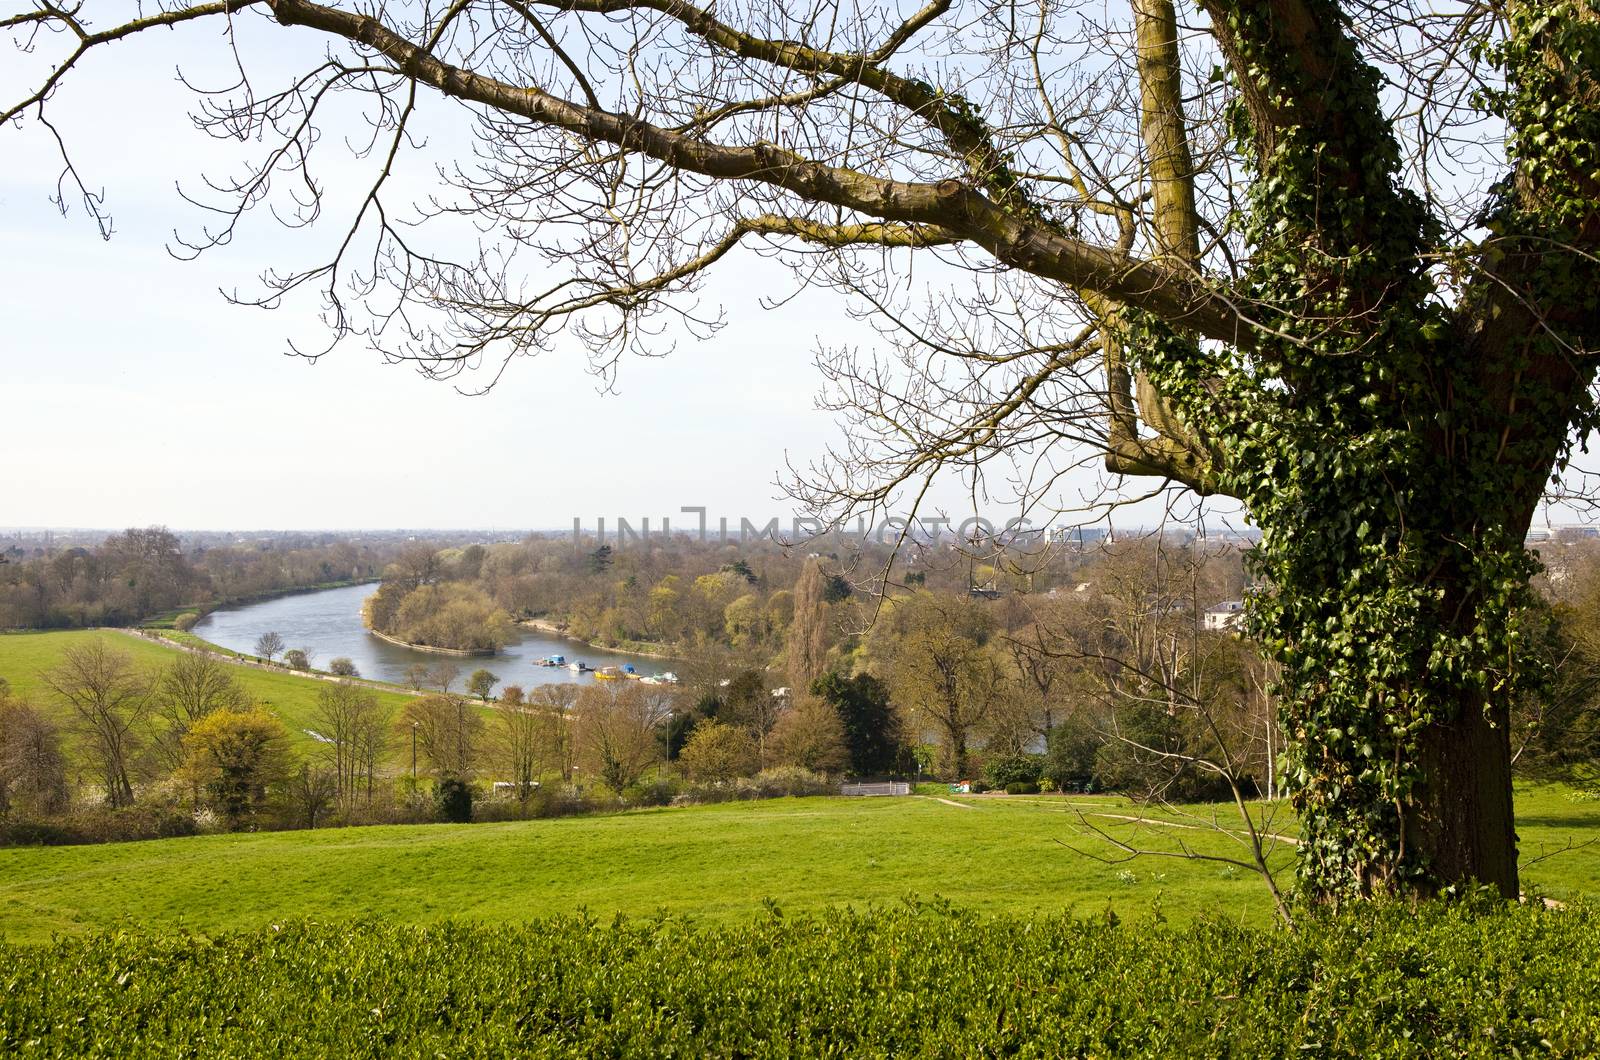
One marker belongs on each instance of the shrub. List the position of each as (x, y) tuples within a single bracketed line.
[(452, 800), (1070, 755), (1019, 788), (98, 824), (186, 621), (788, 780), (657, 793), (1013, 769), (925, 980), (297, 659), (343, 666)]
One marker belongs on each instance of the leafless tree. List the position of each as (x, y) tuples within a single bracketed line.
[(416, 676), (111, 701), (442, 675), (33, 772), (311, 791), (555, 704), (194, 685), (269, 645), (808, 631), (356, 725), (448, 730), (615, 732), (526, 740)]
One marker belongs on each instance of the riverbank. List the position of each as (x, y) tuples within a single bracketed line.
[(546, 626), (200, 646), (165, 619), (463, 652)]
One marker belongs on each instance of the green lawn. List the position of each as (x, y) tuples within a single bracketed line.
[(293, 697), (713, 862), (717, 862)]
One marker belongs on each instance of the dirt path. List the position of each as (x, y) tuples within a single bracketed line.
[(949, 802), (235, 660)]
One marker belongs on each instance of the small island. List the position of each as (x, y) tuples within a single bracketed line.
[(418, 606)]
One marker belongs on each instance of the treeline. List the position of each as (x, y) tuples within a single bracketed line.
[(678, 594), (118, 751), (143, 572), (1123, 678)]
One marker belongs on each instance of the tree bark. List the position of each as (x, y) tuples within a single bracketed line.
[(1461, 820)]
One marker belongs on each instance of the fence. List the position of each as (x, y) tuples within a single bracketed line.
[(887, 787)]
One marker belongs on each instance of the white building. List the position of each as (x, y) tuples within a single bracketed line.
[(1228, 615)]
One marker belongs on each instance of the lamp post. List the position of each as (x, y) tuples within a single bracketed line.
[(666, 756)]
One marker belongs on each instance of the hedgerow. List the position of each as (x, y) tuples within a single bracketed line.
[(925, 980)]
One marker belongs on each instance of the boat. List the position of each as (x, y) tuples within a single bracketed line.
[(578, 667), (553, 660), (668, 678), (608, 673)]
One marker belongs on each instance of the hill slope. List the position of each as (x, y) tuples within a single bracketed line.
[(716, 862)]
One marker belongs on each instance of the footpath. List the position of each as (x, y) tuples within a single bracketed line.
[(239, 660)]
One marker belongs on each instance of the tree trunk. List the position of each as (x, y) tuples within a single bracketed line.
[(958, 752), (1461, 820)]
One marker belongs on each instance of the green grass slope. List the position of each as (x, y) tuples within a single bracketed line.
[(24, 657), (714, 862)]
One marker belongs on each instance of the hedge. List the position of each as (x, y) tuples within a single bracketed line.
[(925, 980)]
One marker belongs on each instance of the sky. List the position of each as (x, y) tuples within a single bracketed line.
[(135, 394)]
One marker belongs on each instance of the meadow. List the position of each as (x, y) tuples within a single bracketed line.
[(718, 863), (1005, 855)]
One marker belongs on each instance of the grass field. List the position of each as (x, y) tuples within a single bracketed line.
[(1000, 855), (719, 863), (293, 697)]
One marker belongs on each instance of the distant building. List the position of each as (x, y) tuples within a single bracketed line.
[(1081, 536), (1228, 615)]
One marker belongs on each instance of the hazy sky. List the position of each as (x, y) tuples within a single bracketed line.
[(135, 394)]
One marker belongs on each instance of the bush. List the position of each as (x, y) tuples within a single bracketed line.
[(1070, 755), (296, 659), (98, 824), (1149, 763), (925, 980), (656, 793), (343, 666), (1013, 769), (186, 621), (777, 783), (452, 800), (1019, 788), (788, 781)]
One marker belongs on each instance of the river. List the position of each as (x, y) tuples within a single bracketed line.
[(327, 624)]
